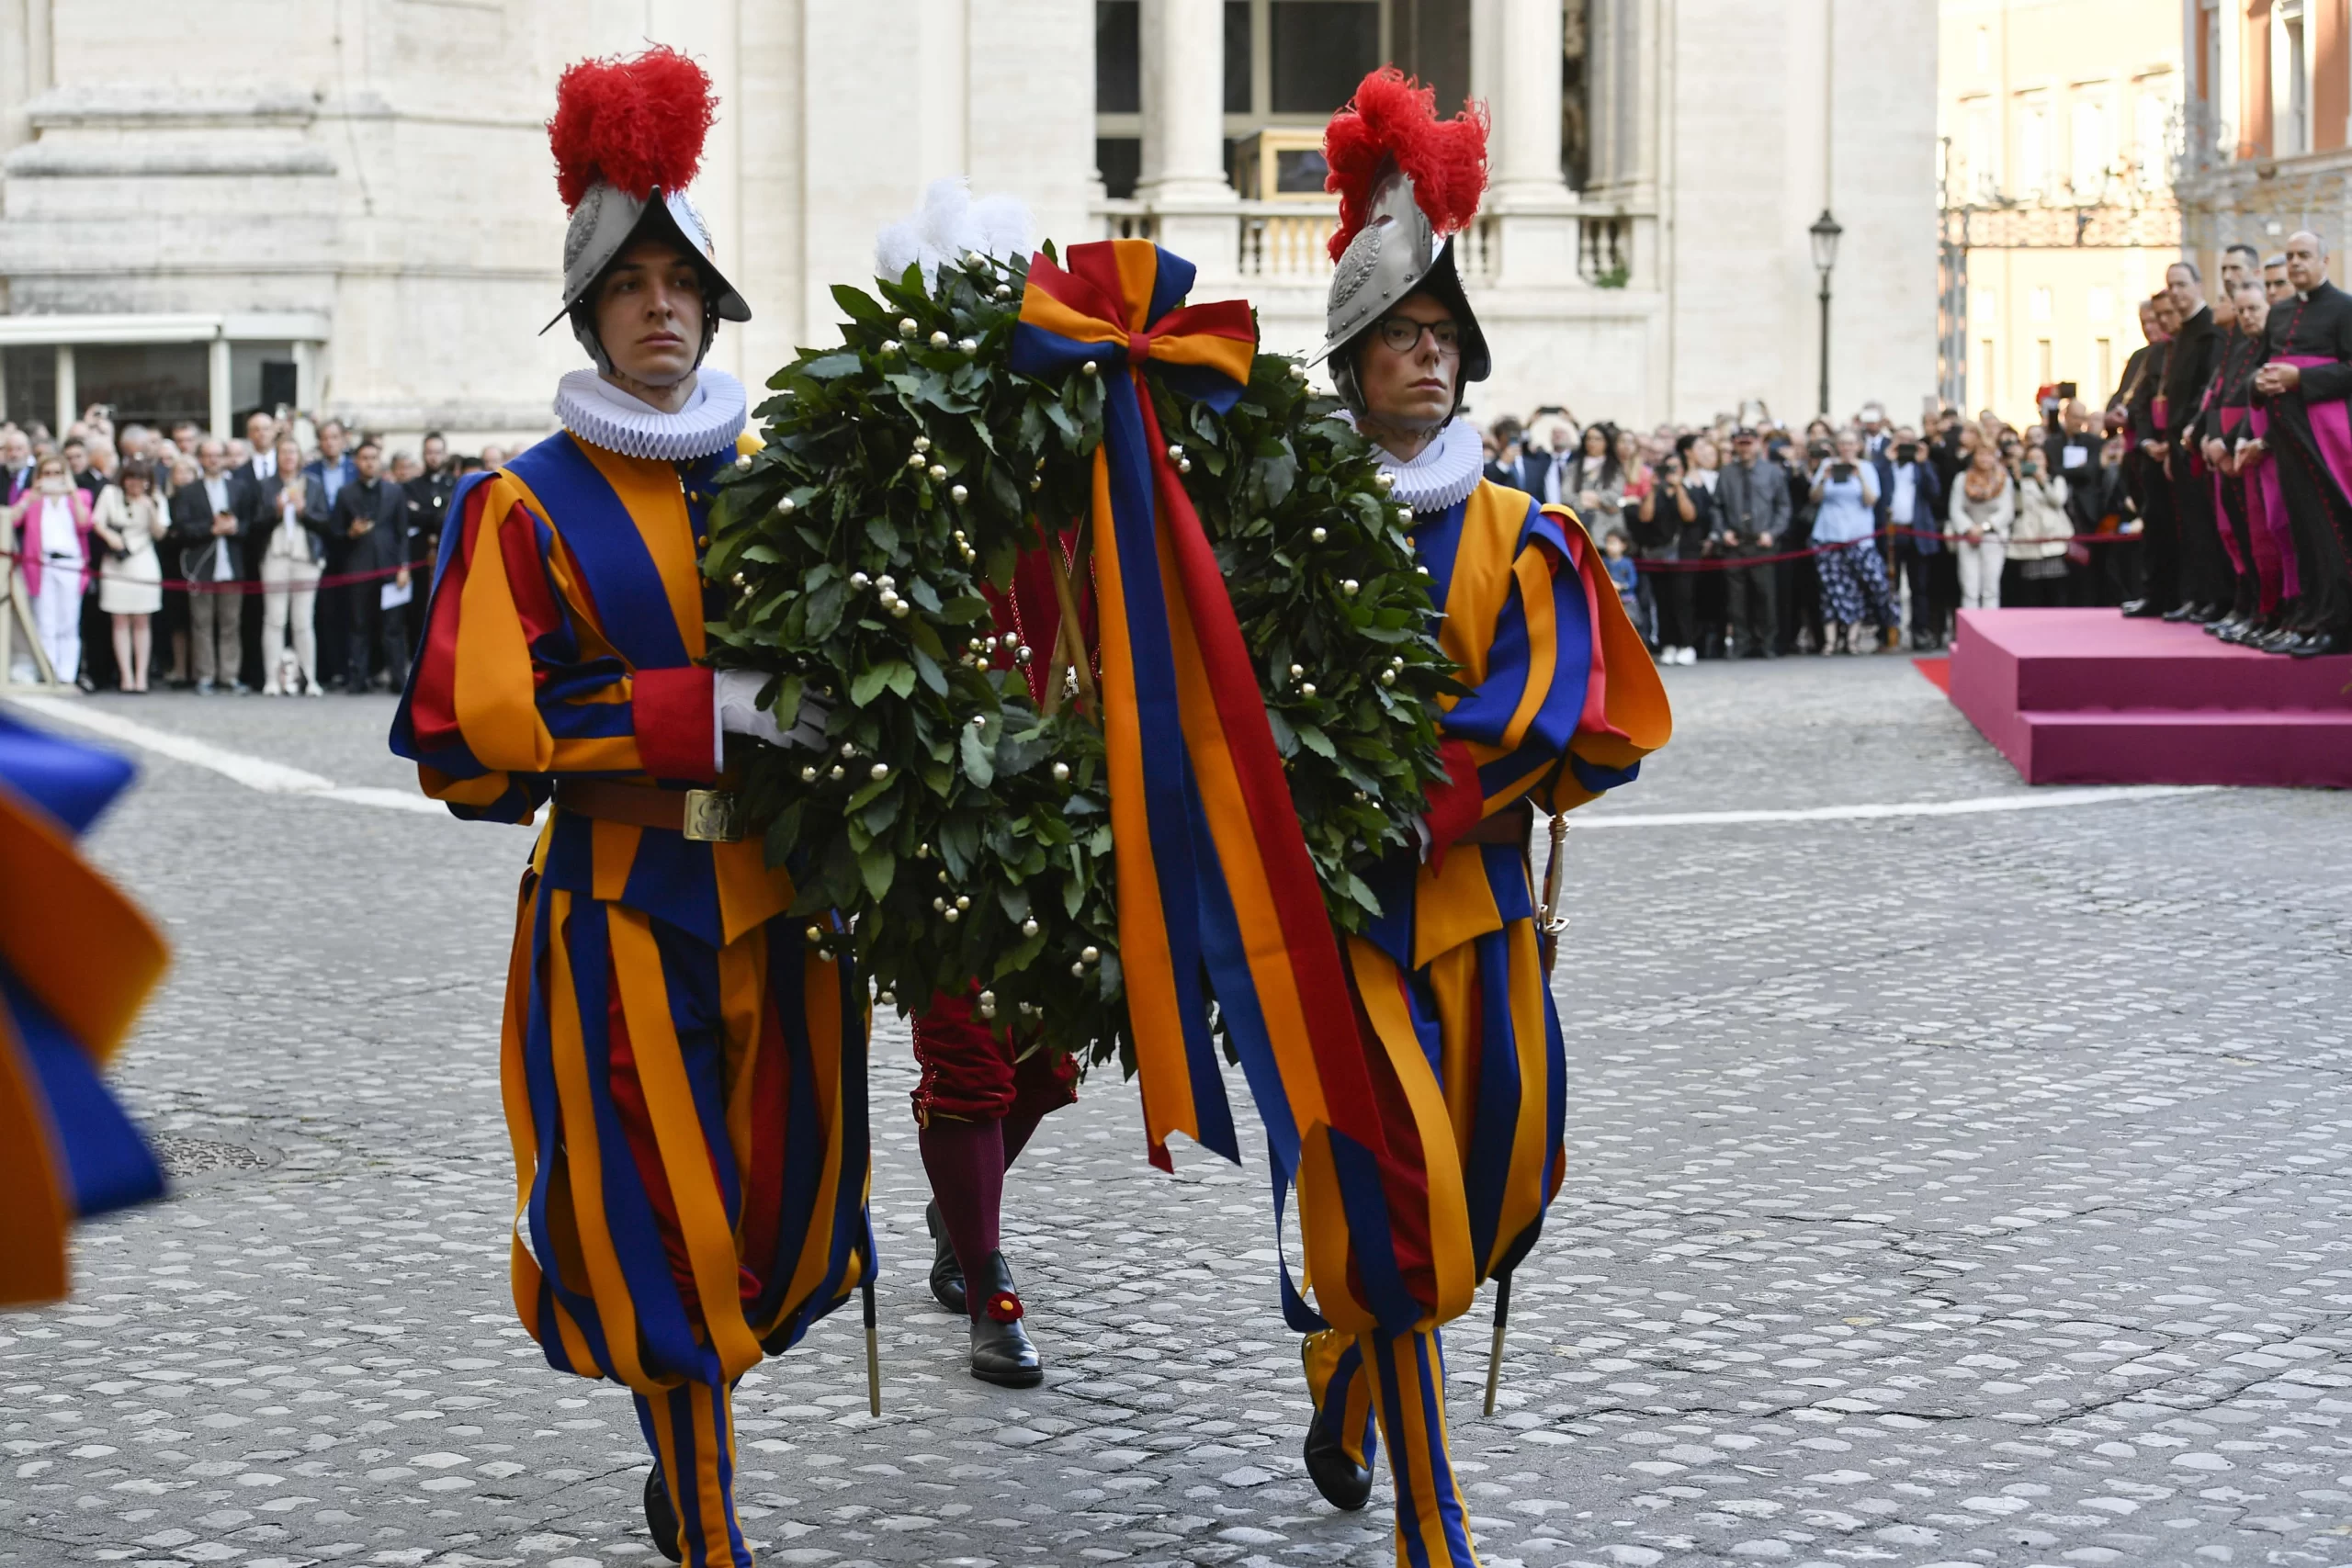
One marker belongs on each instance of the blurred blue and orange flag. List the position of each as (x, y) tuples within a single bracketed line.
[(78, 960), (1218, 897)]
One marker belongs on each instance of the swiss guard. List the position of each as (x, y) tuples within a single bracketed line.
[(683, 1076), (1452, 982)]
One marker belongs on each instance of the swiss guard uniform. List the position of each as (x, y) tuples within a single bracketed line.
[(684, 1074), (78, 960), (1451, 980)]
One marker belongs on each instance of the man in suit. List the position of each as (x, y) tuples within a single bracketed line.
[(1910, 507), (1751, 519), (16, 462), (1876, 436), (332, 468), (368, 526), (1514, 464), (252, 482), (210, 530), (428, 507)]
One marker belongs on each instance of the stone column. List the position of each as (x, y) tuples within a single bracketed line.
[(1183, 136), (1528, 196)]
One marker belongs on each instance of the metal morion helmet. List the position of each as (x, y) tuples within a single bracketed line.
[(628, 137), (1408, 181)]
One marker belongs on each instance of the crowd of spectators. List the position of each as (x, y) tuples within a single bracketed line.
[(286, 560), (1751, 538)]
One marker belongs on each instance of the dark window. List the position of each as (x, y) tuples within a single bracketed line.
[(1576, 95), (1320, 50), (1119, 160), (31, 374), (152, 383), (1430, 39), (1236, 57), (1300, 169), (1118, 57)]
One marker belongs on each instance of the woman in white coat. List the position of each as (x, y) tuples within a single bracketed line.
[(129, 518), (1982, 515)]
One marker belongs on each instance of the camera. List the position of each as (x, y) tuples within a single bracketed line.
[(1907, 453), (1818, 451), (1841, 472)]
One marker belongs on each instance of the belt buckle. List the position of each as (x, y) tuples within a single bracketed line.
[(713, 816)]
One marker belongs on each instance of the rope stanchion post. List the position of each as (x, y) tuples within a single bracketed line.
[(18, 615)]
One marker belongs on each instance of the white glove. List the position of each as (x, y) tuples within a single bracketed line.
[(734, 696)]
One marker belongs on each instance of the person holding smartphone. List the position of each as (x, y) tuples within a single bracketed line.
[(1853, 577)]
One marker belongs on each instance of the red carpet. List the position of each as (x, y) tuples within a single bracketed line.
[(1938, 671), (2085, 696)]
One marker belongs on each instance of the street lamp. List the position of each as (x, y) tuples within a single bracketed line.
[(1825, 231)]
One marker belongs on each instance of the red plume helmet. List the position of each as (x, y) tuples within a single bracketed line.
[(1393, 116), (634, 124)]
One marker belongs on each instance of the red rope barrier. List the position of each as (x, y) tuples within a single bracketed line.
[(1725, 563), (241, 585)]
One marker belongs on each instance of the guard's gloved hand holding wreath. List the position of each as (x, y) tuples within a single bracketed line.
[(735, 700)]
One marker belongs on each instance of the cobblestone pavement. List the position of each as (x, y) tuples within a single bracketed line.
[(1941, 1189)]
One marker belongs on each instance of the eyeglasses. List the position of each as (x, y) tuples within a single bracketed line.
[(1403, 334)]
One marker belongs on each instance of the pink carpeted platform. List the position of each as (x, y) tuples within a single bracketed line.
[(2085, 696)]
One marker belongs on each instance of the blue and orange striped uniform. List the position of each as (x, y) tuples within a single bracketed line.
[(684, 1074), (77, 961), (1459, 1019)]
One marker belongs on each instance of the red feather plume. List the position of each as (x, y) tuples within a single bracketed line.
[(1393, 116), (634, 124)]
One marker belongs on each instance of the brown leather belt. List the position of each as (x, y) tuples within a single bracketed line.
[(1511, 824), (703, 815)]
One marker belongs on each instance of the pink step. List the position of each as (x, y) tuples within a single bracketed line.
[(2085, 696), (2040, 660), (2185, 745)]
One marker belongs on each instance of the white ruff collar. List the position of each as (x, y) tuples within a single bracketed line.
[(1447, 470), (603, 415)]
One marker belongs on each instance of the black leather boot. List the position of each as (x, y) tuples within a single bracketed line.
[(1001, 1353), (1343, 1483), (946, 1273), (661, 1517)]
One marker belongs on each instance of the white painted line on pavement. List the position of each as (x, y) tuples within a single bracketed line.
[(253, 772), (276, 778), (2038, 801)]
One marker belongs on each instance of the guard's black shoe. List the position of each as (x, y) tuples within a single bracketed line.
[(661, 1517), (1001, 1353), (1343, 1483), (946, 1273)]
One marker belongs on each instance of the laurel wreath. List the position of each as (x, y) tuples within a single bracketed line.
[(954, 835)]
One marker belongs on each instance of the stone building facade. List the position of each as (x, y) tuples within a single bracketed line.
[(348, 208), (2059, 122), (2265, 139)]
